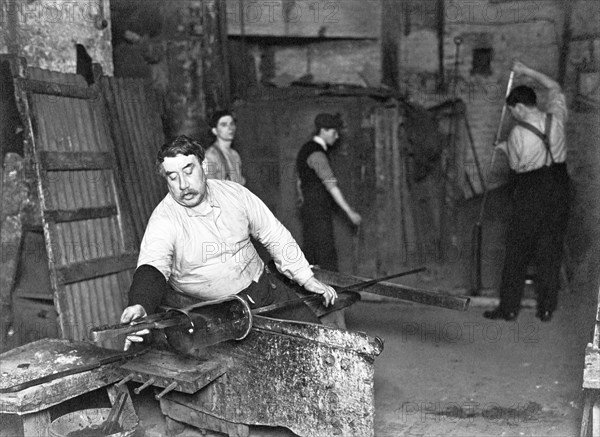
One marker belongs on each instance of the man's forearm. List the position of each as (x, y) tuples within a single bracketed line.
[(148, 288), (540, 77), (337, 195)]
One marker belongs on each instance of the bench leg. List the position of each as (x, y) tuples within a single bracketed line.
[(37, 424), (590, 419), (113, 392)]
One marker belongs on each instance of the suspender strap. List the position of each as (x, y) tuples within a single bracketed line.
[(545, 137)]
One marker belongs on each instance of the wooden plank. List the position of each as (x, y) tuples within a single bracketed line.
[(62, 216), (43, 396), (397, 291), (591, 370), (53, 161), (58, 89), (46, 358), (381, 183), (191, 374), (94, 268), (64, 369)]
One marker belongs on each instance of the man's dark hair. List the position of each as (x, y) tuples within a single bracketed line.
[(522, 94), (182, 145), (214, 120), (328, 121)]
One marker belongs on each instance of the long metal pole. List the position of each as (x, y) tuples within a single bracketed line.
[(354, 287), (478, 237)]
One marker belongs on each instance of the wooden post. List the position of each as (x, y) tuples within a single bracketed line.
[(215, 70), (13, 196), (563, 59)]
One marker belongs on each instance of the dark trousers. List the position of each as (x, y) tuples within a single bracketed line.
[(536, 230), (318, 240), (269, 290)]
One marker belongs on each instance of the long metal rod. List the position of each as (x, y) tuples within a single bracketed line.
[(477, 284), (474, 152), (496, 139), (354, 287)]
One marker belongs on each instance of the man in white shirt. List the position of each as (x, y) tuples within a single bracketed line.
[(536, 151), (197, 243)]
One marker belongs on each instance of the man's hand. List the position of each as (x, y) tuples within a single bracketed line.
[(129, 315), (315, 286), (518, 67), (354, 217)]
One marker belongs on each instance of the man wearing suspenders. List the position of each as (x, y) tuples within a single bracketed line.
[(536, 151)]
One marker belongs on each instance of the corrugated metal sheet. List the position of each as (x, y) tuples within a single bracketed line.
[(137, 135), (79, 189)]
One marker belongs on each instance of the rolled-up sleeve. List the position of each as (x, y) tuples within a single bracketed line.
[(319, 163), (280, 243), (557, 104)]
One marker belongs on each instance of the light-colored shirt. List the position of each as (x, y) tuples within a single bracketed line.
[(320, 164), (206, 252), (224, 165), (526, 151)]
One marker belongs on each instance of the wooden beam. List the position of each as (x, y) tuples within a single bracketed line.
[(63, 215), (397, 291), (81, 271), (58, 89), (567, 6), (586, 36), (52, 161)]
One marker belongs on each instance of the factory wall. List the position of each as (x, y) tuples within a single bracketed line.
[(46, 33)]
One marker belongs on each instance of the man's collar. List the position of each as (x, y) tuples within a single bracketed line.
[(320, 141)]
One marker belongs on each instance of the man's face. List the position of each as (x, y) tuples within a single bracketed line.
[(225, 129), (186, 179), (329, 135), (517, 111)]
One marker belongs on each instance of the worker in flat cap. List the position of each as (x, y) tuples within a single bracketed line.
[(318, 191)]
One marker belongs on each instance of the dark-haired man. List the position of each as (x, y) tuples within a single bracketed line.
[(317, 190), (222, 160), (197, 243), (536, 151)]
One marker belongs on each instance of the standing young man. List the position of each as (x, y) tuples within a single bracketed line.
[(317, 190), (222, 160), (536, 151)]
